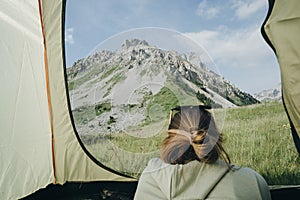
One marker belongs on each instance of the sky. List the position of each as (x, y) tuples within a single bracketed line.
[(229, 31)]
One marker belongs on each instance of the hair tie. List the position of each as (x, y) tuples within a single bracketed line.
[(193, 129)]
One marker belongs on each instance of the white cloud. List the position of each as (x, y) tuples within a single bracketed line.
[(242, 56), (243, 48), (244, 9), (205, 10), (69, 36)]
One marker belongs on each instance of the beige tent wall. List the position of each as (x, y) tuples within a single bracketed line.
[(34, 105), (283, 29), (25, 148), (71, 162)]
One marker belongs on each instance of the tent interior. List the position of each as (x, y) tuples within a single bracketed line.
[(43, 153)]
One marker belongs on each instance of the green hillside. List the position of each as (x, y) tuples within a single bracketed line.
[(256, 136)]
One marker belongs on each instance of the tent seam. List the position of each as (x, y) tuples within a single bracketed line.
[(48, 89)]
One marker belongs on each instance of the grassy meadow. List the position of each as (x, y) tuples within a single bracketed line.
[(256, 136), (259, 137)]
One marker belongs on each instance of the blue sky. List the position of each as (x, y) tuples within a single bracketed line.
[(228, 30)]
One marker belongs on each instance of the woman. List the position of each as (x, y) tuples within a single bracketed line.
[(194, 165)]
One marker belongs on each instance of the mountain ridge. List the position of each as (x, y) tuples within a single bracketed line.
[(141, 82), (138, 51), (272, 94)]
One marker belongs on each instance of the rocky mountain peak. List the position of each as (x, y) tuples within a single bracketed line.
[(133, 42), (138, 84), (270, 94), (137, 63)]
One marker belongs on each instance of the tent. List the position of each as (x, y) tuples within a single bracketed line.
[(38, 142), (281, 31)]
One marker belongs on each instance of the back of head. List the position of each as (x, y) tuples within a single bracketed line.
[(192, 135)]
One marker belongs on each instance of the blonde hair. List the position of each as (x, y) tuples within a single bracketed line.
[(193, 135)]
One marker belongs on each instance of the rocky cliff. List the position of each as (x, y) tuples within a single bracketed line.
[(138, 84)]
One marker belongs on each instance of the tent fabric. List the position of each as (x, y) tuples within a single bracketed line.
[(25, 148), (71, 162), (38, 144), (282, 28)]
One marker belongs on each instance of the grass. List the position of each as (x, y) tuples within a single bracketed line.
[(158, 108), (124, 153), (103, 107), (85, 114), (256, 136), (71, 85), (259, 137), (94, 70)]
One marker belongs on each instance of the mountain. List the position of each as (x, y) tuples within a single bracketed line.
[(269, 94), (138, 84)]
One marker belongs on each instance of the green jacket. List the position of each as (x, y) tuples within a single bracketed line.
[(197, 180)]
